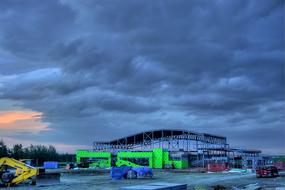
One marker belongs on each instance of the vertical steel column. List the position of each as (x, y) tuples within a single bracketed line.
[(197, 149)]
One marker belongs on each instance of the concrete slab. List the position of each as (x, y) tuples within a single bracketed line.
[(157, 186), (172, 186)]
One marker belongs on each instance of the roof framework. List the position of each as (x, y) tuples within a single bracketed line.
[(203, 146), (173, 140)]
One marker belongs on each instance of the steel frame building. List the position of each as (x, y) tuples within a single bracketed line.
[(199, 148), (206, 145), (172, 140)]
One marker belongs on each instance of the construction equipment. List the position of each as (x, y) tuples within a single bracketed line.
[(267, 171), (23, 172), (13, 172), (122, 162)]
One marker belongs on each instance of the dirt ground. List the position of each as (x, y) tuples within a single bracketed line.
[(194, 180)]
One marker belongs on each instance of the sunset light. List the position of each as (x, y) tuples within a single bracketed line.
[(21, 121), (99, 90), (14, 116)]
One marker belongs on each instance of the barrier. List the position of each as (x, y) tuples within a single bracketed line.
[(217, 167), (50, 165)]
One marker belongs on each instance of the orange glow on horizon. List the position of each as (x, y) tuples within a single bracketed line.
[(21, 121), (14, 116)]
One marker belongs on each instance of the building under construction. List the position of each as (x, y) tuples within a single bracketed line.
[(175, 148)]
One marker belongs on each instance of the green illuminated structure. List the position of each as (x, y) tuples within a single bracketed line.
[(163, 148), (157, 158), (96, 159)]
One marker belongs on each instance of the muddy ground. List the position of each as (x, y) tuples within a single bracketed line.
[(194, 181)]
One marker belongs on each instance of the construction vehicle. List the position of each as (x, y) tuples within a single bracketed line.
[(14, 172), (157, 158), (267, 171), (122, 163), (22, 172)]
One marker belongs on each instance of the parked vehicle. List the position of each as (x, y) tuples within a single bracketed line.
[(267, 171)]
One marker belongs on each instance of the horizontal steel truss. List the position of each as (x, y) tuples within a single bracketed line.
[(181, 142)]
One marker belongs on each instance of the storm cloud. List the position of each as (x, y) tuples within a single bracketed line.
[(104, 69)]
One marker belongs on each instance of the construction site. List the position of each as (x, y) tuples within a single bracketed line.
[(178, 149), (142, 95), (158, 159)]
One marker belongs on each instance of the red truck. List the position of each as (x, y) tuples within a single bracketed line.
[(267, 171)]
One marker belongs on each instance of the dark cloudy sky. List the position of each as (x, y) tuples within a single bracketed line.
[(76, 71)]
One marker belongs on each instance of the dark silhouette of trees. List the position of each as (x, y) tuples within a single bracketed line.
[(3, 149), (37, 153), (17, 151)]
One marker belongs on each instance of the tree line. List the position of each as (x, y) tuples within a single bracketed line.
[(37, 153)]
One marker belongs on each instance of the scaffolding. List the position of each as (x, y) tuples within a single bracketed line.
[(172, 140), (201, 148)]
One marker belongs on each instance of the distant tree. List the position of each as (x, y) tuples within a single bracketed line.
[(17, 152), (41, 153), (37, 153), (27, 153), (53, 156), (3, 149), (67, 157)]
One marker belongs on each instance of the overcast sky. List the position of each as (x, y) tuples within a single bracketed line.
[(76, 71)]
